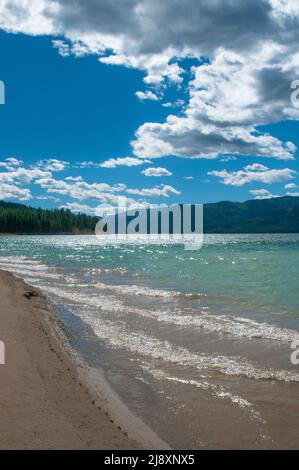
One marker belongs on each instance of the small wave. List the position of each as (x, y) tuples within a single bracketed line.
[(31, 272), (23, 267), (235, 326), (17, 259), (218, 391), (146, 291), (117, 336), (137, 290)]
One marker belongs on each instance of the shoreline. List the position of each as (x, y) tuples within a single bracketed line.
[(49, 398)]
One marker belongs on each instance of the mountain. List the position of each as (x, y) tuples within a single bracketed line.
[(277, 215)]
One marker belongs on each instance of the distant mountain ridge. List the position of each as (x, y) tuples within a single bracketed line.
[(277, 215)]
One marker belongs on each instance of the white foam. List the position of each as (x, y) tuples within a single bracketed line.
[(22, 266), (17, 259), (235, 326), (137, 290), (31, 272), (158, 349), (117, 336), (217, 390)]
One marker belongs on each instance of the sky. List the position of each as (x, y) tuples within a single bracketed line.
[(158, 102)]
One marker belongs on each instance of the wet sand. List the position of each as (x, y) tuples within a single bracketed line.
[(45, 401)]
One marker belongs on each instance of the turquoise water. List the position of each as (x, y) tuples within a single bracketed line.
[(173, 329), (258, 272)]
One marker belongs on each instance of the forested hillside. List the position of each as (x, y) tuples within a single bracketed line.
[(277, 215), (17, 218)]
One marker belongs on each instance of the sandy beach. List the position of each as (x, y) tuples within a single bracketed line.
[(44, 404)]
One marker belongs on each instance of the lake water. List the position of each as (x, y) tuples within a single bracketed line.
[(197, 343)]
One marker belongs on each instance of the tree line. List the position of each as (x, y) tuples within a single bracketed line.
[(20, 219)]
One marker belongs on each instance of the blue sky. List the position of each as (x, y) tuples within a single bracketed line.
[(72, 108)]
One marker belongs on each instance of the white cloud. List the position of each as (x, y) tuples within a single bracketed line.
[(81, 190), (77, 48), (15, 177), (158, 191), (188, 177), (89, 164), (291, 186), (156, 171), (175, 104), (23, 175), (63, 48), (156, 66), (228, 158), (28, 16), (125, 161), (247, 176), (262, 194), (47, 198), (256, 167), (14, 180), (10, 163), (228, 99), (74, 178), (265, 194), (79, 208), (11, 191), (147, 95), (52, 164), (253, 57), (188, 138)]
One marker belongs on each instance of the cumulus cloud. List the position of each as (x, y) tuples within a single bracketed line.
[(256, 167), (156, 171), (47, 198), (256, 175), (125, 161), (147, 95), (174, 104), (253, 57), (14, 177), (14, 182), (52, 164), (78, 208), (265, 194), (23, 175), (77, 48), (157, 191), (262, 194), (81, 190), (74, 178), (10, 163), (12, 191), (291, 186)]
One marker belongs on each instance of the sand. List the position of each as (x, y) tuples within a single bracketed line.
[(44, 401)]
